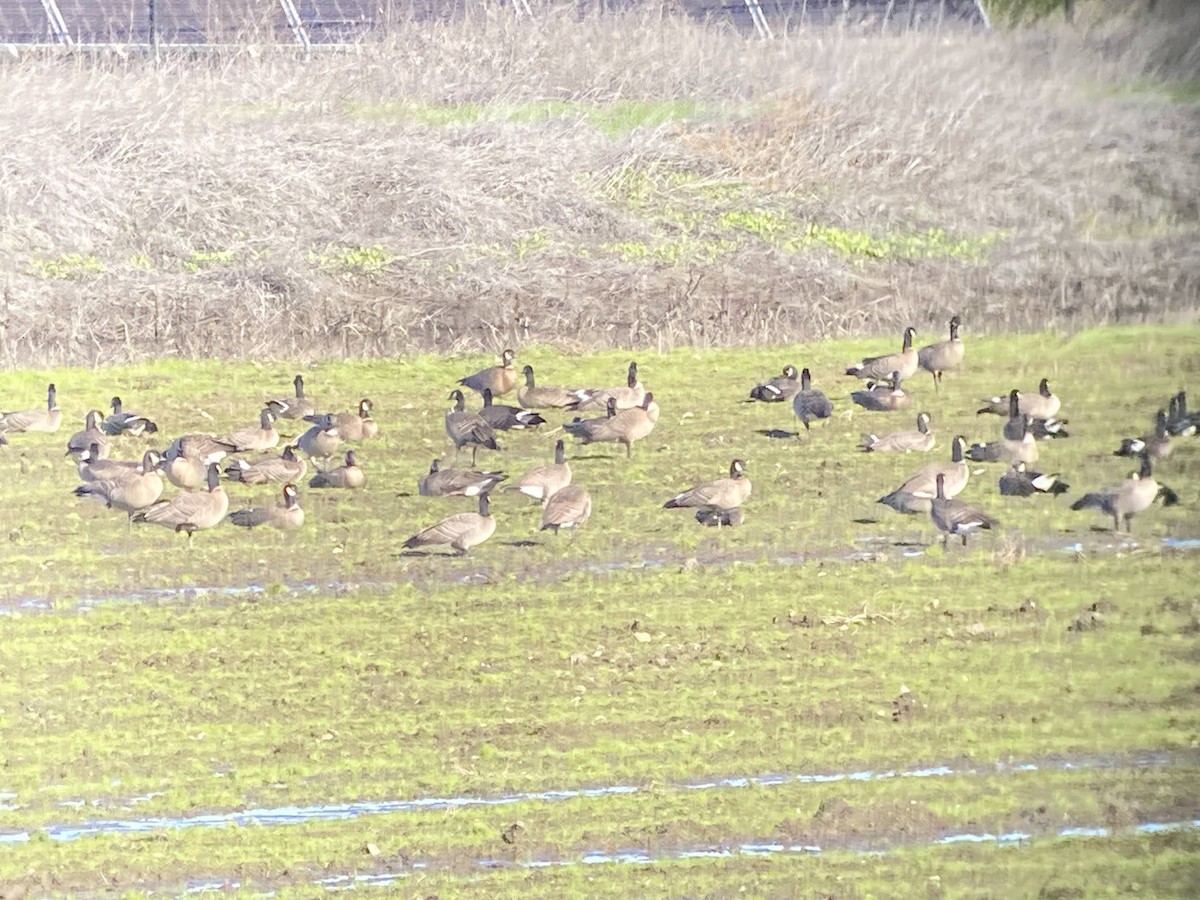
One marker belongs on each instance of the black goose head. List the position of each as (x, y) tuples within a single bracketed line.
[(805, 380)]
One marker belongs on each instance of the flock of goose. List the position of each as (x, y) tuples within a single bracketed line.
[(623, 414)]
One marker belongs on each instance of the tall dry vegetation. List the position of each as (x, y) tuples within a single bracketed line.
[(250, 202)]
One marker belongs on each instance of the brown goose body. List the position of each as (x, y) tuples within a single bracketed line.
[(534, 396), (724, 493), (919, 441), (888, 397), (348, 475), (45, 421), (500, 379), (943, 356), (190, 512), (90, 437), (623, 427), (92, 468), (879, 368), (286, 516), (264, 437), (131, 490), (441, 482), (915, 495), (541, 482), (461, 531), (351, 426), (629, 396), (951, 516), (322, 440), (276, 470), (1132, 496), (465, 428), (568, 507), (295, 407), (808, 403), (1042, 405), (1156, 444)]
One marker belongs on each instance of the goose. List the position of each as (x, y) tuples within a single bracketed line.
[(277, 470), (724, 493), (535, 396), (1157, 444), (296, 407), (881, 367), (778, 388), (715, 517), (952, 516), (92, 468), (1048, 429), (541, 482), (808, 403), (568, 507), (622, 427), (915, 494), (1019, 482), (83, 441), (123, 422), (1008, 450), (264, 437), (628, 397), (500, 379), (189, 512), (40, 420), (919, 441), (130, 489), (464, 427), (1017, 424), (348, 475), (186, 460), (1132, 496), (943, 356), (461, 531), (508, 418), (1042, 405), (351, 426), (322, 440), (887, 397), (1180, 422), (286, 516), (441, 482)]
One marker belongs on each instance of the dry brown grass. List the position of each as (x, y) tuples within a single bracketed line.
[(202, 197)]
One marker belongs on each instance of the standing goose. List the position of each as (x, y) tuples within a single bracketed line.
[(508, 418), (542, 482), (264, 437), (464, 427), (278, 470), (41, 420), (778, 388), (130, 489), (190, 512), (919, 441), (351, 426), (887, 397), (628, 397), (1156, 445), (1042, 405), (456, 482), (1018, 482), (286, 516), (955, 517), (500, 379), (1132, 496), (915, 495), (348, 475), (568, 507), (943, 356), (724, 493), (461, 531), (534, 396), (296, 407), (622, 427), (881, 367), (123, 422), (808, 403), (83, 441)]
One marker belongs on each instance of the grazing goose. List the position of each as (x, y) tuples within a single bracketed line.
[(1132, 496), (464, 427), (41, 420), (628, 397), (1019, 482), (500, 379), (778, 388), (622, 427), (461, 531), (276, 470), (919, 441), (542, 482), (915, 494), (190, 512), (534, 396), (348, 475), (1180, 422), (1156, 444), (322, 440), (508, 418), (351, 426), (264, 437), (881, 367), (955, 517), (286, 516), (186, 460), (130, 489), (568, 507), (1042, 405), (297, 407), (456, 482), (808, 403), (123, 422), (883, 397), (83, 441), (724, 493), (715, 517), (943, 356)]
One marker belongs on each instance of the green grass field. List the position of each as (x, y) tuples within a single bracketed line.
[(826, 635)]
